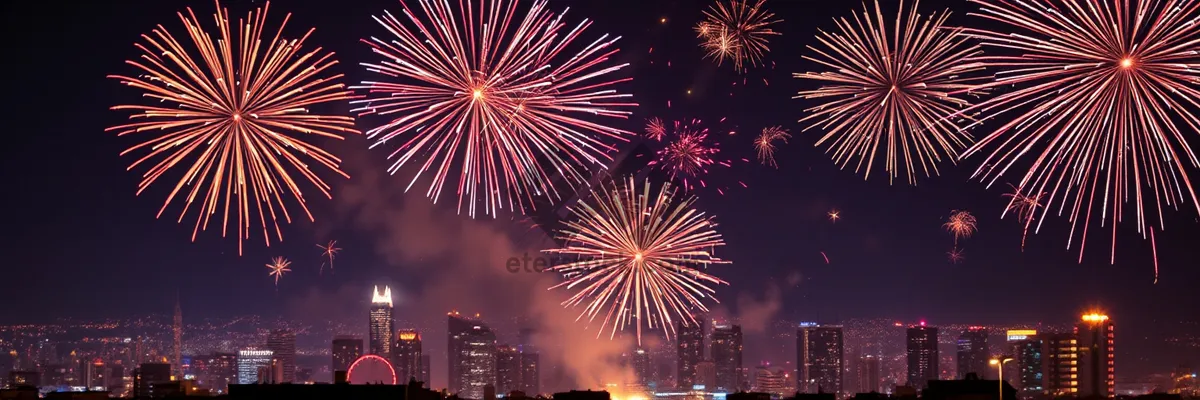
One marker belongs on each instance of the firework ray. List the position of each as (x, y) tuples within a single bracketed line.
[(765, 144), (961, 224), (506, 107), (638, 254), (738, 31), (1025, 207), (1102, 98), (888, 92), (237, 120), (278, 267)]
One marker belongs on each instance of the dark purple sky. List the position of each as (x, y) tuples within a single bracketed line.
[(81, 244)]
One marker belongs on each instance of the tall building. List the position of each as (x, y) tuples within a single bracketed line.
[(819, 358), (706, 374), (282, 343), (1095, 354), (146, 375), (868, 374), (973, 352), (220, 370), (531, 373), (425, 370), (922, 351), (689, 351), (346, 349), (382, 323), (1060, 364), (177, 333), (471, 356), (508, 369), (406, 358), (727, 356), (249, 361), (768, 381), (1027, 354), (643, 367)]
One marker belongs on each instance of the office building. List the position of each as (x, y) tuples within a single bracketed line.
[(1060, 364), (770, 381), (922, 351), (508, 369), (868, 374), (531, 374), (425, 370), (471, 356), (973, 353), (820, 359), (149, 374), (1027, 354), (220, 371), (727, 356), (346, 349), (689, 351), (282, 344), (706, 375), (250, 361), (1095, 354), (382, 324), (643, 367), (407, 355)]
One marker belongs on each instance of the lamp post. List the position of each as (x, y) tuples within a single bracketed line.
[(999, 363)]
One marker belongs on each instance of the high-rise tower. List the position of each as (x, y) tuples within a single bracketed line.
[(1096, 364), (282, 344), (821, 362), (406, 358), (972, 352), (689, 351), (471, 356), (177, 332), (922, 349), (382, 323), (727, 356)]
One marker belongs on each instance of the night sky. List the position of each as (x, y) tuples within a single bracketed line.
[(79, 243)]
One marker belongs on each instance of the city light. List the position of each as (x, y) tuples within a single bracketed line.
[(1095, 317), (384, 297)]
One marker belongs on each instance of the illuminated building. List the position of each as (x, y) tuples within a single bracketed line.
[(1095, 343), (346, 349), (406, 356), (706, 374), (922, 350), (531, 373), (868, 374), (1027, 353), (249, 361), (768, 381), (727, 355), (220, 370), (1060, 365), (820, 361), (282, 343), (689, 351), (379, 340), (471, 356), (508, 369), (973, 353)]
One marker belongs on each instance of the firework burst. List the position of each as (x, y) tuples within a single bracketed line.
[(688, 154), (638, 252), (235, 119), (278, 267), (956, 255), (328, 251), (1099, 94), (961, 224), (655, 129), (1025, 207), (738, 31), (506, 107), (765, 144), (888, 93)]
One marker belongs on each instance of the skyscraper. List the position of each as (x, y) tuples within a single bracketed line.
[(346, 349), (177, 333), (819, 358), (868, 374), (282, 344), (727, 355), (973, 352), (643, 367), (1096, 364), (249, 361), (407, 355), (922, 349), (425, 370), (508, 369), (471, 356), (689, 346), (1059, 364), (1027, 354), (382, 323), (220, 371)]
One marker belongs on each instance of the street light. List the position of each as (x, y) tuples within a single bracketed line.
[(999, 363)]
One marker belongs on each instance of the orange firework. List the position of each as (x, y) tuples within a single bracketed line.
[(888, 91), (236, 119), (736, 30), (961, 225), (765, 144), (328, 251), (638, 254), (278, 266), (1025, 207), (1102, 101)]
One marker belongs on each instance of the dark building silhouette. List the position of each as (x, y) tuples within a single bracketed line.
[(346, 349), (406, 357), (471, 356), (1027, 353), (922, 349), (220, 370), (531, 374), (820, 360), (508, 369), (337, 391), (282, 343), (689, 347), (727, 355), (972, 352), (582, 395), (148, 374), (1095, 354), (970, 388), (24, 378)]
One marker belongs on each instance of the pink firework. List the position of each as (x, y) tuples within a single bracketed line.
[(506, 108), (689, 154), (1102, 97), (655, 129)]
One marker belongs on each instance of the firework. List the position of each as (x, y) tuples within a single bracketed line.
[(689, 153), (328, 251), (765, 144), (637, 256), (1099, 94), (834, 215), (736, 30), (888, 92), (956, 255), (506, 107), (961, 224), (655, 129), (278, 266), (1025, 207), (235, 120)]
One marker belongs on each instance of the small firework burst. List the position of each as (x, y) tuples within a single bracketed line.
[(765, 144), (738, 31), (328, 251), (689, 153), (278, 266), (961, 224), (956, 255), (655, 129)]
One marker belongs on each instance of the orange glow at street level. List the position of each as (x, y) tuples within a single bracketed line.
[(1094, 317)]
